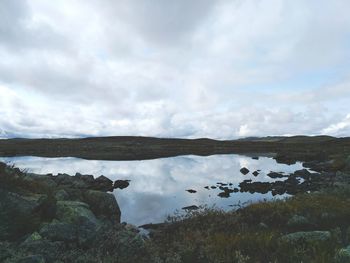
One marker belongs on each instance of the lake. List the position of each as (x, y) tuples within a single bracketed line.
[(158, 187)]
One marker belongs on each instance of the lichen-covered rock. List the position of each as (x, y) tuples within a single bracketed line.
[(307, 237), (79, 214), (33, 237), (74, 212), (103, 205)]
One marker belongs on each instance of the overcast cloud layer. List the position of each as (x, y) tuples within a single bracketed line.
[(199, 68)]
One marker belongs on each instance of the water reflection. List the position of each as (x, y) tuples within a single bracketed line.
[(157, 187)]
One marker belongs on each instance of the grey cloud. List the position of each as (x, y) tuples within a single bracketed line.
[(18, 30), (162, 22), (171, 68)]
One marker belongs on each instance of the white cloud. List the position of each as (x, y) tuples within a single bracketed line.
[(217, 69)]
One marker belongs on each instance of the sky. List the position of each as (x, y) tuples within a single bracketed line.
[(222, 69)]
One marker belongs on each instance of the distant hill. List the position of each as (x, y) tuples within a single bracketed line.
[(292, 139)]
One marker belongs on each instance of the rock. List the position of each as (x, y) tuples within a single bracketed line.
[(224, 194), (275, 175), (343, 255), (244, 170), (307, 237), (18, 214), (253, 187), (57, 231), (40, 180), (79, 214), (63, 179), (255, 157), (61, 195), (191, 207), (32, 259), (191, 191), (87, 178), (206, 187), (74, 212), (103, 183), (103, 205), (256, 173), (33, 237), (121, 184), (298, 221)]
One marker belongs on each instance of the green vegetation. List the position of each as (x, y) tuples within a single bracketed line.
[(305, 228)]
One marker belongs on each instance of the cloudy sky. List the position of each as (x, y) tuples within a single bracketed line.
[(198, 68)]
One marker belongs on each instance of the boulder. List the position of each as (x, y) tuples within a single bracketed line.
[(74, 212), (121, 184), (102, 183), (79, 214), (18, 214), (103, 205), (87, 178), (58, 231), (307, 237)]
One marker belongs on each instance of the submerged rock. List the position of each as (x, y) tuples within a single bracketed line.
[(191, 207), (244, 170), (275, 175)]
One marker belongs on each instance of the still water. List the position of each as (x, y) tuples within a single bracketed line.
[(158, 187)]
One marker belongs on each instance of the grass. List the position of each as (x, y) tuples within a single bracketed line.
[(253, 233)]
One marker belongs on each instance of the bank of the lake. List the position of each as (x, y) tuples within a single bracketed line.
[(63, 218)]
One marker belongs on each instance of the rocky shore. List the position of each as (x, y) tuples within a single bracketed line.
[(46, 218), (63, 218)]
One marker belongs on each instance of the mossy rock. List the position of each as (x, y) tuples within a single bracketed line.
[(307, 237), (74, 211)]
